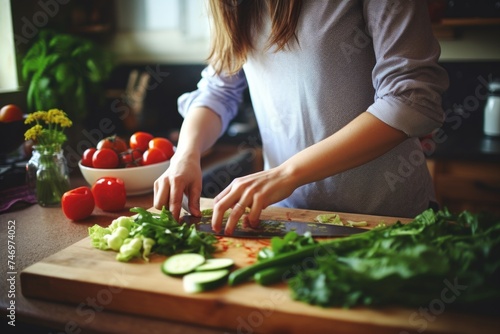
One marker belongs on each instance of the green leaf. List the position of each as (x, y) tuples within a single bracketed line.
[(404, 264), (75, 67)]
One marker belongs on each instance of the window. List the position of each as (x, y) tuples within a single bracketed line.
[(8, 67), (174, 31)]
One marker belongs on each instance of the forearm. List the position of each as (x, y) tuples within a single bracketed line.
[(200, 130), (362, 140)]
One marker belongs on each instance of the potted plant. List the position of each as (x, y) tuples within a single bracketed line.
[(66, 71)]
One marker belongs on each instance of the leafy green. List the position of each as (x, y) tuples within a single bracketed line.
[(437, 254), (151, 233), (172, 237), (65, 71), (292, 241)]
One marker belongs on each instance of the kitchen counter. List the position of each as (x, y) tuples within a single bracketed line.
[(39, 232), (465, 166), (43, 232)]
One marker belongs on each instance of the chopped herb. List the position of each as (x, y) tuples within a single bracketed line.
[(329, 218), (351, 223), (210, 212), (207, 212)]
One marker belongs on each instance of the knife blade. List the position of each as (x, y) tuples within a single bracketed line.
[(185, 203), (271, 228)]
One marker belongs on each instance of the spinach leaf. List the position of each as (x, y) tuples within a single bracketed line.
[(408, 264)]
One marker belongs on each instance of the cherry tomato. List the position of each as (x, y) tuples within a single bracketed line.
[(105, 158), (164, 145), (78, 203), (87, 157), (11, 113), (153, 156), (113, 142), (109, 194), (131, 158), (140, 140)]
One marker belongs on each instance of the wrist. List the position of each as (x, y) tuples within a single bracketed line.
[(186, 151), (292, 174)]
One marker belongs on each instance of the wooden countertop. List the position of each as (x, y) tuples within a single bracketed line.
[(41, 232)]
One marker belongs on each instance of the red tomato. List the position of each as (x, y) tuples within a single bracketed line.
[(113, 142), (140, 140), (11, 113), (109, 194), (105, 158), (87, 157), (78, 204), (153, 156), (164, 145), (131, 158)]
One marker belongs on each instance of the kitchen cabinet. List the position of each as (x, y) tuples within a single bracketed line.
[(467, 185)]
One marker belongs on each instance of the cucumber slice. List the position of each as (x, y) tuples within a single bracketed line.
[(181, 264), (204, 281), (215, 264)]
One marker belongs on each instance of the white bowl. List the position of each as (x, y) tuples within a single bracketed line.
[(138, 180)]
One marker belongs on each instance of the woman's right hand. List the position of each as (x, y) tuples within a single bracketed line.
[(183, 176), (200, 129)]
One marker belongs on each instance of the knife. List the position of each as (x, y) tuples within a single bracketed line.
[(271, 228)]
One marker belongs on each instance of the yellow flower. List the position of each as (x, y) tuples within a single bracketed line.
[(56, 116), (49, 127), (63, 121), (53, 114), (36, 116), (33, 132)]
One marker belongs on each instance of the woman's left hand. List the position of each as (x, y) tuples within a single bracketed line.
[(362, 140), (256, 192)]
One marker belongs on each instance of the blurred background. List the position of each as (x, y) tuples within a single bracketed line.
[(145, 53)]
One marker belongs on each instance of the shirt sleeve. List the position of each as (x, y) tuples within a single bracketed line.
[(407, 78), (222, 94)]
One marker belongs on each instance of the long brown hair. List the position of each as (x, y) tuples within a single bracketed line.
[(234, 21)]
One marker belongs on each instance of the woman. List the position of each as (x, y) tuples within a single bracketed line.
[(341, 90)]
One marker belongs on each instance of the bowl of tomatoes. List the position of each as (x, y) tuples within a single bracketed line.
[(138, 161)]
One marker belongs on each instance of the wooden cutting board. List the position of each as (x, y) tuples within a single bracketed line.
[(93, 279)]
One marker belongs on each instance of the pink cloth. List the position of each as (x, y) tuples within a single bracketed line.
[(19, 194)]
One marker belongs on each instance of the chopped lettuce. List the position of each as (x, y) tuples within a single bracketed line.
[(147, 233), (98, 237)]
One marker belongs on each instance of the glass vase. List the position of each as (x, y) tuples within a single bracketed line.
[(47, 174)]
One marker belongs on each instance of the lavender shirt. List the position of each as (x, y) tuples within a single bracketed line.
[(352, 56)]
